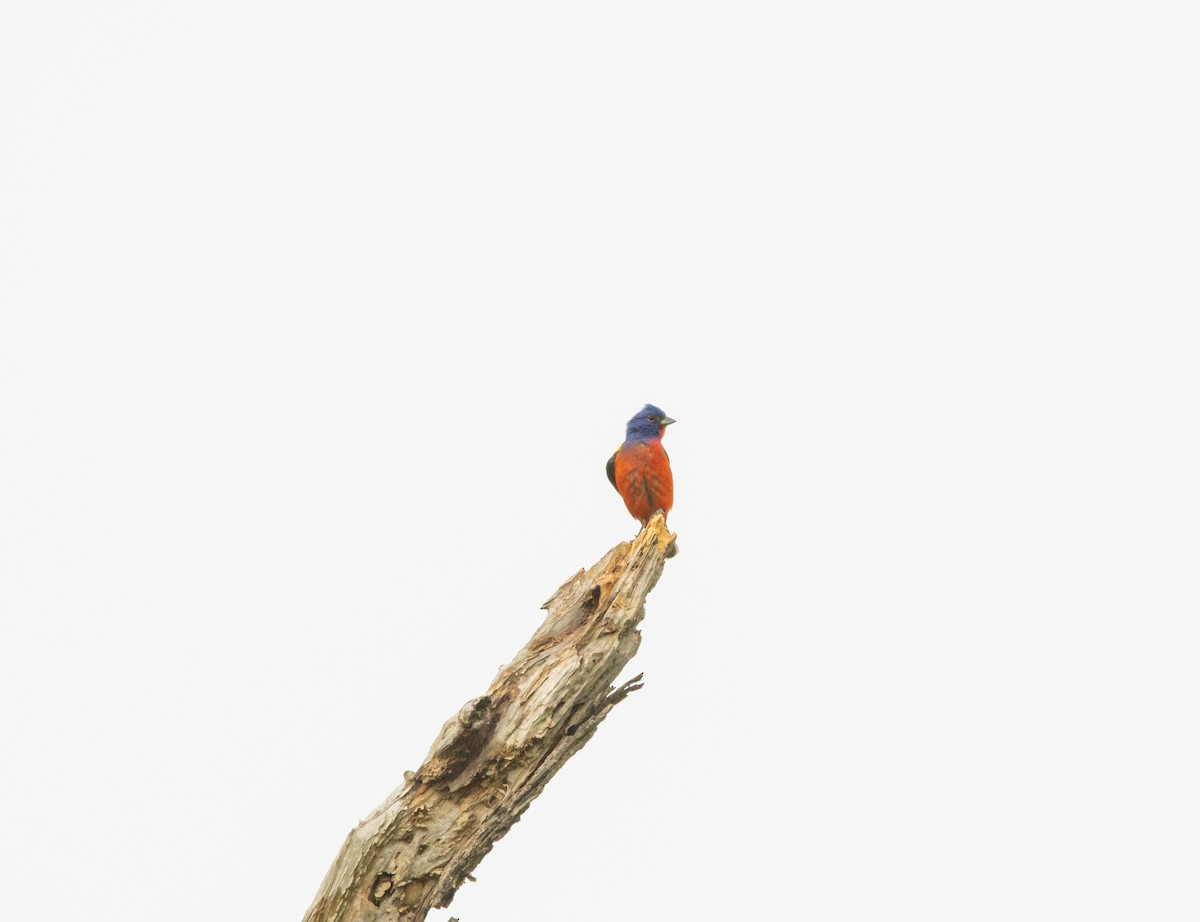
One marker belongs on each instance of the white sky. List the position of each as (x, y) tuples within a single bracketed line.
[(320, 321)]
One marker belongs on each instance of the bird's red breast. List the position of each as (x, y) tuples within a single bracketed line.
[(643, 478)]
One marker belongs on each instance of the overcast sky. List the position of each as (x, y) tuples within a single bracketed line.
[(320, 321)]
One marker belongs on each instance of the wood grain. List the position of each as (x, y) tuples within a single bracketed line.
[(493, 758)]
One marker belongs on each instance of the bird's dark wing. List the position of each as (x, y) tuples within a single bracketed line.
[(611, 470)]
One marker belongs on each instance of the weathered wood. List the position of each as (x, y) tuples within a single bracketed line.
[(496, 755)]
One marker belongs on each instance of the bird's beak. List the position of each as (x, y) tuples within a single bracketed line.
[(666, 421)]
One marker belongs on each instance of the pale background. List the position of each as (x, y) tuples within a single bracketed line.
[(320, 321)]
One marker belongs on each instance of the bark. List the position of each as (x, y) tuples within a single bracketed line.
[(496, 755)]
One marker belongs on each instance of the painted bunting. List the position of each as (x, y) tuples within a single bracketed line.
[(640, 469)]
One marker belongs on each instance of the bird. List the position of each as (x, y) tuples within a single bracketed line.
[(640, 469)]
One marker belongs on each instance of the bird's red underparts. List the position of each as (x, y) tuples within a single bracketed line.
[(643, 478)]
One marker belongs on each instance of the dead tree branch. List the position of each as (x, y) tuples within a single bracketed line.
[(497, 754)]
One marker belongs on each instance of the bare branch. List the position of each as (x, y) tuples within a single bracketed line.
[(493, 758)]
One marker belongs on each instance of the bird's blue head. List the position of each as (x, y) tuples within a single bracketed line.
[(649, 423)]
